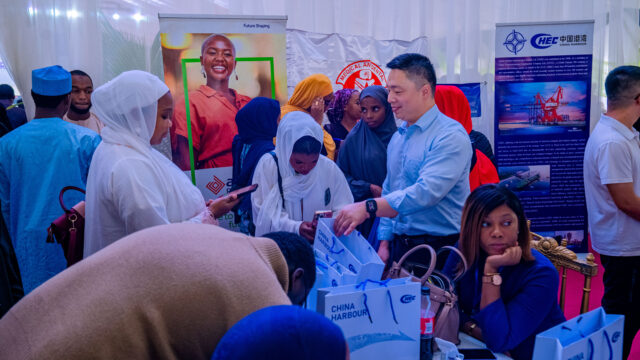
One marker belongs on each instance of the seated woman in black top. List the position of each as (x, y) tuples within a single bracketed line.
[(510, 292)]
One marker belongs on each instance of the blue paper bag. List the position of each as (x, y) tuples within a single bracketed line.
[(591, 336)]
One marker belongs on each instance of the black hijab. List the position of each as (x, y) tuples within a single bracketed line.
[(363, 154)]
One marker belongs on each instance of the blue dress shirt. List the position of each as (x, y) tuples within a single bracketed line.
[(427, 179)]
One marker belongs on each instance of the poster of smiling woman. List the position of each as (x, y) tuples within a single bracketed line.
[(214, 65)]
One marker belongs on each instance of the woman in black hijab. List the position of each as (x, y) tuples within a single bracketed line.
[(363, 154)]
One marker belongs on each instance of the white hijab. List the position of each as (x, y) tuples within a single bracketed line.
[(128, 106), (292, 127)]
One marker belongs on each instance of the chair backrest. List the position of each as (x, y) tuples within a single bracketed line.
[(564, 259)]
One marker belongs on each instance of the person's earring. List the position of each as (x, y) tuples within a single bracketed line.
[(204, 74), (235, 71)]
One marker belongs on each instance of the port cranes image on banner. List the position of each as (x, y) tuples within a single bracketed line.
[(541, 108)]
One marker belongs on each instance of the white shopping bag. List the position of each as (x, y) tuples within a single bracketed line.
[(337, 274), (379, 319), (329, 273), (591, 336), (352, 251), (322, 281)]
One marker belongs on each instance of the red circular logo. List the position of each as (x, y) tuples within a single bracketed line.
[(360, 74)]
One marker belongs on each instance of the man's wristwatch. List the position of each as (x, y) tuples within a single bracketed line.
[(493, 278), (372, 208)]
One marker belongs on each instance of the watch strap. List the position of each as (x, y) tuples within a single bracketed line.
[(494, 279), (372, 207)]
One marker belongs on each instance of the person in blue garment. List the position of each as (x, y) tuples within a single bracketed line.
[(283, 332), (510, 292), (37, 160), (257, 126)]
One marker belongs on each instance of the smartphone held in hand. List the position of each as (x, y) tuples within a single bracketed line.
[(322, 214), (244, 191)]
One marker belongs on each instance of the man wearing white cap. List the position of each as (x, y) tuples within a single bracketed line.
[(36, 161)]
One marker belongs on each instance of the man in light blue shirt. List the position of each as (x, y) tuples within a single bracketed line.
[(37, 160), (428, 162)]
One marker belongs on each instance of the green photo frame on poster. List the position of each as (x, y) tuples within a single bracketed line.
[(184, 63)]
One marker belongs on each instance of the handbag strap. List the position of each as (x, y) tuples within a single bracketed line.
[(459, 253), (275, 158), (432, 260), (64, 189)]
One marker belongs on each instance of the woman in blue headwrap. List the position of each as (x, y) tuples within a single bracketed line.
[(283, 332), (363, 155), (257, 126)]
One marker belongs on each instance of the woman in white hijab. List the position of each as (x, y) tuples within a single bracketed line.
[(131, 186), (310, 181)]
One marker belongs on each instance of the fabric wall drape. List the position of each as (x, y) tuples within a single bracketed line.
[(460, 33)]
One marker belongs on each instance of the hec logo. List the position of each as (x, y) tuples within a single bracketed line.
[(543, 41), (216, 185), (514, 42), (405, 299), (360, 74), (615, 337)]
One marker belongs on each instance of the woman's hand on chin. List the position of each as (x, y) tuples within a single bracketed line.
[(510, 257)]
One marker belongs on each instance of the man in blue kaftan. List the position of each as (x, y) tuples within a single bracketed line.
[(36, 161)]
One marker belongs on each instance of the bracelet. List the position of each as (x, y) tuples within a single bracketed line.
[(491, 274), (471, 325)]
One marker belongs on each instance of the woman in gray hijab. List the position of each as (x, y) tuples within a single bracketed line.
[(363, 154)]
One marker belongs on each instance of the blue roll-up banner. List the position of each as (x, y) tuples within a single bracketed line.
[(542, 102), (472, 91)]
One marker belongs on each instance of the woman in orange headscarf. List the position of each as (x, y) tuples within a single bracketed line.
[(313, 95), (452, 102)]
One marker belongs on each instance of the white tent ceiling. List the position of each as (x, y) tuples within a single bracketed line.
[(88, 34)]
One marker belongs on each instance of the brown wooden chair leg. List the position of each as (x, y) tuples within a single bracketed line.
[(586, 292), (563, 287)]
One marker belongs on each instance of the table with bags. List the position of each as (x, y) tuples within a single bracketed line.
[(381, 318)]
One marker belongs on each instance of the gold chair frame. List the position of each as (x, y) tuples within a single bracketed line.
[(564, 259)]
